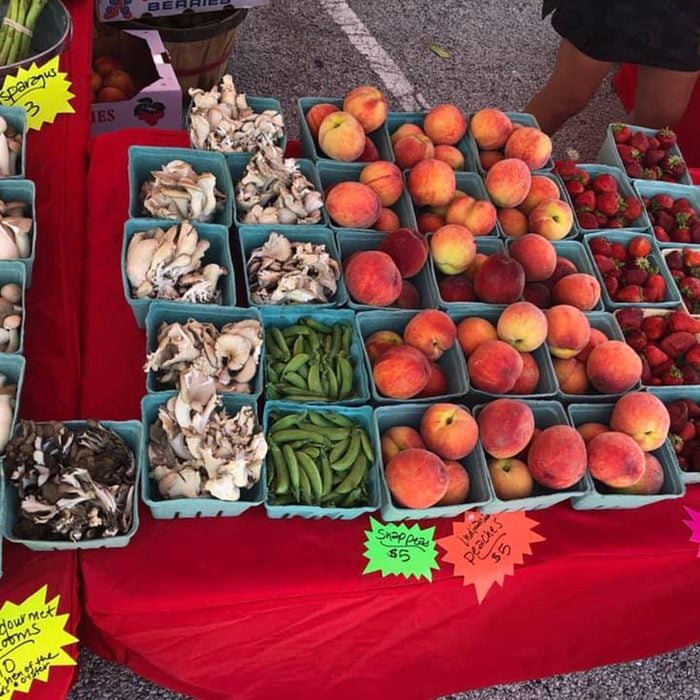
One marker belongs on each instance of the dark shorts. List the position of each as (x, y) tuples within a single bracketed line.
[(660, 33)]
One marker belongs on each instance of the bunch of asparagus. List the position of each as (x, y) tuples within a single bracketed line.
[(17, 28)]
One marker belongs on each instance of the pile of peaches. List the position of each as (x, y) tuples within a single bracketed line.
[(110, 82)]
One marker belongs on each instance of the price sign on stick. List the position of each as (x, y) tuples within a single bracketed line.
[(31, 639), (42, 90), (400, 551), (484, 549), (694, 524)]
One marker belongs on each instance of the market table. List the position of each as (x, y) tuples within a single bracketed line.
[(250, 607)]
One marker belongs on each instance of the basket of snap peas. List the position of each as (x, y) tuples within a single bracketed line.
[(322, 461)]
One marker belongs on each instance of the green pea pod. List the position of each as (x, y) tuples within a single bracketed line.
[(295, 380), (314, 342), (283, 500), (316, 325), (333, 388), (340, 419), (345, 376), (294, 434), (299, 345), (288, 421), (272, 376), (326, 474), (346, 337), (295, 329), (296, 362), (328, 344), (351, 499), (355, 475), (279, 341), (367, 445), (313, 452), (294, 394), (305, 489), (293, 467), (314, 379), (281, 481), (313, 474), (318, 419), (339, 449), (337, 337), (349, 458)]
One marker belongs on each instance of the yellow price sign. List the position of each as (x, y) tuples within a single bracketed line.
[(32, 635), (42, 90)]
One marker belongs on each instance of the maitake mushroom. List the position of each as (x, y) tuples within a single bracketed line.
[(10, 149), (73, 483), (284, 271), (221, 120), (168, 265), (10, 317), (274, 191), (230, 356), (15, 241), (197, 451), (178, 192)]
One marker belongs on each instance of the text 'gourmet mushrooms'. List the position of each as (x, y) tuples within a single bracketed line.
[(15, 230), (168, 265), (10, 317), (10, 149), (197, 451), (230, 356), (178, 192), (74, 483), (274, 191), (221, 120), (283, 272)]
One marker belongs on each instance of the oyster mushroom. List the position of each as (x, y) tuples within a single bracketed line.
[(10, 317)]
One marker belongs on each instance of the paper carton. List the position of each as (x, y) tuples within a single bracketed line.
[(120, 10)]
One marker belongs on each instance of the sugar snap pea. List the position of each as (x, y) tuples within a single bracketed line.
[(313, 473), (294, 434), (367, 445), (293, 468), (281, 473), (305, 488), (316, 325), (348, 459), (355, 475), (288, 421)]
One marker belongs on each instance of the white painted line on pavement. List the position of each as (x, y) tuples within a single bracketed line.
[(380, 61)]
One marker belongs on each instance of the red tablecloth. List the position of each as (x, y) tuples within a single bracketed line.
[(255, 608)]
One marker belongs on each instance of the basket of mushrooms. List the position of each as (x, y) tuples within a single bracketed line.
[(17, 229), (13, 277), (13, 137)]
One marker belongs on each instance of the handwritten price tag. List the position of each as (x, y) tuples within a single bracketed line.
[(42, 90), (694, 525), (31, 639), (484, 549), (400, 551)]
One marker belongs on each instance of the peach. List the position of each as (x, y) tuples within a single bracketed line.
[(568, 330), (432, 332), (506, 427), (490, 128), (523, 326), (405, 130), (431, 183), (450, 155), (541, 188), (551, 218), (379, 342), (643, 417), (353, 205), (457, 484), (401, 372), (387, 221), (499, 280), (613, 367), (104, 65), (488, 158), (508, 182), (472, 332), (453, 248), (590, 430), (494, 367), (580, 290), (368, 105), (445, 124), (449, 430), (597, 337), (537, 256), (557, 457), (416, 478), (474, 265), (407, 249), (317, 114), (110, 94), (538, 293), (563, 268), (412, 149), (456, 288), (371, 277), (437, 383), (397, 439), (651, 481), (511, 478), (441, 210), (121, 80), (429, 222), (409, 297), (530, 145), (370, 153), (513, 222), (524, 453), (571, 375), (529, 378), (478, 215), (341, 136), (385, 179), (95, 83), (615, 459)]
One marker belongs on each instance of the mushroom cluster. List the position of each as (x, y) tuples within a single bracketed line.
[(73, 483), (178, 192), (229, 356), (8, 392), (15, 230), (291, 272), (222, 120), (10, 149), (197, 451), (10, 317), (274, 191), (168, 265)]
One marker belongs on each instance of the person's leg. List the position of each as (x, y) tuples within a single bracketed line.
[(662, 96), (573, 82)]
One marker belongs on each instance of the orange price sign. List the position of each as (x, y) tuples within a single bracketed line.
[(484, 549)]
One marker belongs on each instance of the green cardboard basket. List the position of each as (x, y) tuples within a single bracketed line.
[(547, 414), (219, 252), (379, 137), (602, 497), (162, 311), (13, 368), (13, 189), (170, 508), (132, 433), (14, 271), (145, 159), (364, 416), (451, 361), (480, 489), (277, 317), (16, 117), (251, 237), (352, 240)]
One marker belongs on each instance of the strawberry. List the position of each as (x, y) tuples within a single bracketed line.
[(660, 370), (655, 288), (621, 133), (674, 260), (661, 234), (639, 247), (608, 203), (677, 275), (666, 137), (618, 252), (690, 288), (678, 415), (673, 377), (693, 408), (631, 294), (585, 201), (629, 318), (681, 321), (654, 327), (628, 154), (634, 170), (678, 343), (600, 245), (601, 218), (674, 165), (662, 202), (604, 183), (680, 235), (639, 141), (615, 222), (666, 220), (665, 177), (605, 264), (691, 257), (693, 356), (567, 169), (632, 207), (574, 187), (635, 276), (695, 232), (676, 442), (681, 204), (683, 220), (652, 173), (636, 339), (654, 381), (646, 370), (612, 284), (653, 157), (688, 432), (583, 177), (653, 143), (587, 220)]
